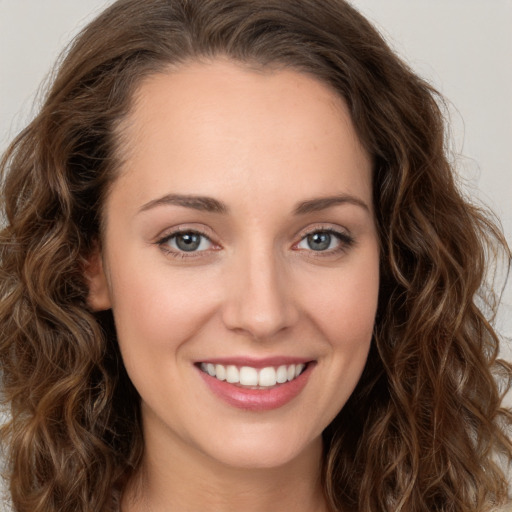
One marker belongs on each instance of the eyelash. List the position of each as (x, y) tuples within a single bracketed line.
[(345, 242), (164, 241)]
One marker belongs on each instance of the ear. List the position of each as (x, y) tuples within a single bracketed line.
[(99, 292)]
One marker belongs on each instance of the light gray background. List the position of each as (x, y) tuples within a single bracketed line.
[(463, 47)]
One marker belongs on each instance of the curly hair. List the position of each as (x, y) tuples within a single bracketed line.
[(424, 430)]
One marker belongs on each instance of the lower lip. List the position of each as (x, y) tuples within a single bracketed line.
[(258, 399)]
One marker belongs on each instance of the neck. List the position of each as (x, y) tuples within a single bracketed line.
[(181, 479)]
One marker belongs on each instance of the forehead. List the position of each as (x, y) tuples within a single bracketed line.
[(202, 124)]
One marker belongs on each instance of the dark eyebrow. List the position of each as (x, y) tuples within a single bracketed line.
[(208, 204), (205, 204), (321, 203)]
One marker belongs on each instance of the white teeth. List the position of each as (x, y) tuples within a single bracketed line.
[(220, 372), (267, 377), (282, 374), (232, 374), (248, 376)]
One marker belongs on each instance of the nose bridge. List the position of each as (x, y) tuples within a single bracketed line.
[(259, 301)]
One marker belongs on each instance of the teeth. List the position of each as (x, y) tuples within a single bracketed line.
[(267, 377), (282, 374), (247, 376), (232, 374), (220, 372), (299, 368)]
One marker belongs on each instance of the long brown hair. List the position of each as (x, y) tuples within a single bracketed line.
[(423, 431)]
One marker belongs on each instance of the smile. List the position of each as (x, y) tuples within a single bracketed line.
[(262, 387), (266, 377)]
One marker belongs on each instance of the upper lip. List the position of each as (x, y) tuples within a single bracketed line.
[(256, 362)]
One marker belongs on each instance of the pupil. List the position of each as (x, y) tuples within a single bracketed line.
[(188, 241), (319, 241)]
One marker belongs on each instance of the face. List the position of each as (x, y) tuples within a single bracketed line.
[(240, 259)]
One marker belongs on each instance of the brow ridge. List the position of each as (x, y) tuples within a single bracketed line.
[(201, 203), (322, 203), (209, 204)]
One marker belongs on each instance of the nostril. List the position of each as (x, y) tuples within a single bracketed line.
[(259, 319)]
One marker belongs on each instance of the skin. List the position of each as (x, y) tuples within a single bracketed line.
[(261, 143)]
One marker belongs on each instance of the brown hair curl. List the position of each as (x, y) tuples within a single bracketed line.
[(424, 426)]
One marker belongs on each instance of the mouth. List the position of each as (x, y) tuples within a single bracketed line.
[(254, 378), (256, 386)]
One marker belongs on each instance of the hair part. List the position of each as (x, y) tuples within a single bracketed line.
[(422, 430)]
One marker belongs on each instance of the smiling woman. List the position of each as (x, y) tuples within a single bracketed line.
[(250, 282), (269, 247)]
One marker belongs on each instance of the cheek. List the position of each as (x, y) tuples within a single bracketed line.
[(341, 307), (159, 308), (157, 314), (344, 307)]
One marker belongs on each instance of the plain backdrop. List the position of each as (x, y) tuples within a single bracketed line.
[(463, 47)]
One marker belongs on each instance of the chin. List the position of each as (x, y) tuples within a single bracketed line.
[(263, 453)]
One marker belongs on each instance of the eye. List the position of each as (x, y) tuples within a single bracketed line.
[(326, 240), (320, 241), (186, 241)]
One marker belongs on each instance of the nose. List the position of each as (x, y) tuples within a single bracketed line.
[(259, 301)]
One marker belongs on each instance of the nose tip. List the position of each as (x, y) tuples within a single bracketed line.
[(260, 303)]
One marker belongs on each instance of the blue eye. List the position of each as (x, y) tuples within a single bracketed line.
[(187, 241), (325, 241), (319, 241)]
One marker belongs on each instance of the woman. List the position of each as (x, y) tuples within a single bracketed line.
[(249, 279)]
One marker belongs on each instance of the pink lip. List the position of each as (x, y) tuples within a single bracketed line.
[(257, 399), (255, 362)]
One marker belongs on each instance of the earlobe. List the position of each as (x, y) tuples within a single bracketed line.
[(99, 293)]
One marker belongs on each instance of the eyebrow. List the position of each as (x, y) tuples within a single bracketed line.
[(209, 204), (201, 203), (322, 203)]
